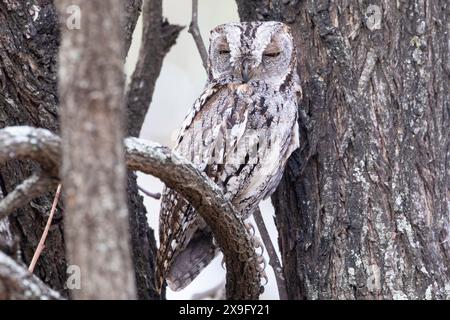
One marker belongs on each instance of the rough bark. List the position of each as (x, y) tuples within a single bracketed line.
[(243, 275), (362, 209), (16, 283), (97, 233), (28, 49)]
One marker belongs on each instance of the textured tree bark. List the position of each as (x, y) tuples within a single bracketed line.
[(28, 49), (91, 86), (362, 210), (16, 283)]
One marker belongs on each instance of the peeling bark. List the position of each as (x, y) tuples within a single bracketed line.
[(362, 210)]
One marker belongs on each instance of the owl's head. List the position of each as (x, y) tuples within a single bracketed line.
[(251, 51)]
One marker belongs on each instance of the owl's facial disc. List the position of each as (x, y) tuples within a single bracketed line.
[(250, 52)]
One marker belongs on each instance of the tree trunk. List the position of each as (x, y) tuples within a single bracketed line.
[(28, 96), (362, 210), (93, 158), (28, 51)]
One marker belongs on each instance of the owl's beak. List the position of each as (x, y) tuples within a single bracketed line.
[(246, 70)]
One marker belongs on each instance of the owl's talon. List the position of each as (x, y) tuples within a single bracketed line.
[(258, 244), (249, 226), (262, 265), (263, 275), (261, 260)]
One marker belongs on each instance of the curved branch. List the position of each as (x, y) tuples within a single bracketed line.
[(17, 283), (25, 142), (31, 188), (177, 173), (207, 198)]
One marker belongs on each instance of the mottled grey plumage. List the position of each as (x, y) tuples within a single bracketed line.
[(241, 131)]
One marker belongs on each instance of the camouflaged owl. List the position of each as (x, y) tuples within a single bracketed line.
[(240, 132)]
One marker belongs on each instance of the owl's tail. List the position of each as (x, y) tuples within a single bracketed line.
[(187, 265)]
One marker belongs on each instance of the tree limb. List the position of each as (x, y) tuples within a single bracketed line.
[(207, 198), (16, 283), (32, 187), (39, 145), (195, 32), (153, 195), (178, 174), (157, 38)]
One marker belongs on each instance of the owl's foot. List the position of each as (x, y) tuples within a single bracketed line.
[(257, 243), (259, 247), (250, 227)]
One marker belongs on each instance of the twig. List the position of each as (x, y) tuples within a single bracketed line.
[(30, 188), (153, 195), (195, 32), (40, 246), (273, 257)]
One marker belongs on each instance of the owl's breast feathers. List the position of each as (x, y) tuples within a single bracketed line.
[(241, 136)]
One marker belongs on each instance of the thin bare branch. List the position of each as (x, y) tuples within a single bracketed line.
[(232, 236), (17, 283), (274, 262), (41, 243), (194, 30), (33, 187), (153, 195), (25, 142)]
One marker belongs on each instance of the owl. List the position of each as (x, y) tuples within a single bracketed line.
[(240, 132)]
